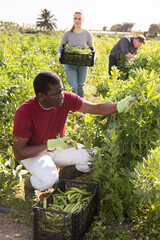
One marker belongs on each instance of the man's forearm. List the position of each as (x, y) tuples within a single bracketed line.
[(101, 108), (130, 56), (29, 151), (107, 108)]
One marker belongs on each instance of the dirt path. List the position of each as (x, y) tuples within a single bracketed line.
[(15, 231)]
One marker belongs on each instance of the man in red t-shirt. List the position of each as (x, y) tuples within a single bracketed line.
[(39, 121)]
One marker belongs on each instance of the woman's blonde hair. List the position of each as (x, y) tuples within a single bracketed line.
[(77, 12)]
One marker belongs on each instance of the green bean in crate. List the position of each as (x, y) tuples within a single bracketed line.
[(77, 56), (67, 212), (72, 200)]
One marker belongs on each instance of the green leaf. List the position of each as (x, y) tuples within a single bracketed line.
[(12, 163), (156, 96), (151, 91)]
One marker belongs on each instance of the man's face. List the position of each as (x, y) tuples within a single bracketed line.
[(54, 97), (136, 43)]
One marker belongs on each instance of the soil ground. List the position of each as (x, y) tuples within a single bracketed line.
[(11, 230)]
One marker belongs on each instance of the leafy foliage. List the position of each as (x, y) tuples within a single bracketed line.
[(146, 181), (9, 177), (122, 141)]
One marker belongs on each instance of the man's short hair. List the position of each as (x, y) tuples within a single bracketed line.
[(141, 39), (43, 80)]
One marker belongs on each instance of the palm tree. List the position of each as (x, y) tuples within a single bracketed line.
[(46, 20)]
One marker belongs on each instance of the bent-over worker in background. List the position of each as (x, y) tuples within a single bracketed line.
[(128, 46), (39, 121)]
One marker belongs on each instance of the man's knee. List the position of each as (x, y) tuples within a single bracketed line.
[(47, 180), (83, 167), (51, 180)]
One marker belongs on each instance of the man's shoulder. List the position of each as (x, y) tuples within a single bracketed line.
[(124, 38), (128, 38), (72, 101), (27, 104)]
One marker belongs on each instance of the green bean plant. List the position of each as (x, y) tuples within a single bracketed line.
[(146, 182)]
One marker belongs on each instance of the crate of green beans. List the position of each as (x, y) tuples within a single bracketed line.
[(66, 214), (77, 56)]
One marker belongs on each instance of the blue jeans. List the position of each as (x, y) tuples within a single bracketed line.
[(112, 62), (76, 77)]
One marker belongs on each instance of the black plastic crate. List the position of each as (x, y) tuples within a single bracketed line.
[(76, 58), (59, 225)]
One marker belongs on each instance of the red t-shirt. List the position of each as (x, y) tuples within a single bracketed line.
[(33, 122)]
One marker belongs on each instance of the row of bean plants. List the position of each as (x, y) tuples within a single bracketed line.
[(126, 165)]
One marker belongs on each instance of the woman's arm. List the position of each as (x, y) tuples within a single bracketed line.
[(90, 42), (63, 41)]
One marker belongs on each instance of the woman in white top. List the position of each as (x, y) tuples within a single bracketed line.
[(77, 36)]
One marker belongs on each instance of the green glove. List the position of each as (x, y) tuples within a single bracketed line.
[(59, 143), (124, 104)]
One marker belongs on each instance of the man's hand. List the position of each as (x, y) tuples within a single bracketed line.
[(60, 143), (124, 104), (130, 56)]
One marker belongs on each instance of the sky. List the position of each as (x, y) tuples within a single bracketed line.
[(97, 13)]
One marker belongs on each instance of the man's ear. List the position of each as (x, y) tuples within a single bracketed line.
[(40, 96)]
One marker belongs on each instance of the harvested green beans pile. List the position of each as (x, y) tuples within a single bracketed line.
[(72, 200), (79, 50)]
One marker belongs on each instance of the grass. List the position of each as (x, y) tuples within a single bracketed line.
[(22, 210)]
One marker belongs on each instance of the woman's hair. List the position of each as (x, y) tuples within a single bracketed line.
[(77, 12), (43, 80)]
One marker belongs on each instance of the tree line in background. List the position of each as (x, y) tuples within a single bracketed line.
[(47, 20), (127, 27)]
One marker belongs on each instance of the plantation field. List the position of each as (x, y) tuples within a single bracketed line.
[(127, 163)]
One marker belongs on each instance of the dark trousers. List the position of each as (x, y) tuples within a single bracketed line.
[(112, 62)]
